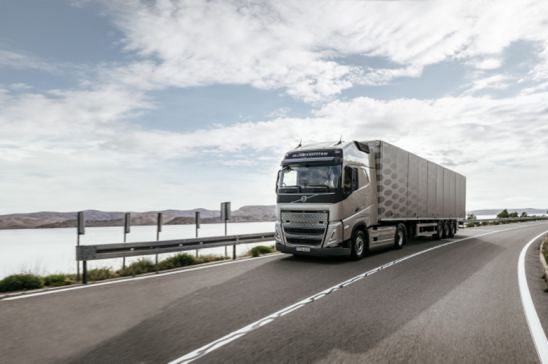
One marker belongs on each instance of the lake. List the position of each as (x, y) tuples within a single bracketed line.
[(45, 251)]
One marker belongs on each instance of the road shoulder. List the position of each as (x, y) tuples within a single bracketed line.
[(535, 271)]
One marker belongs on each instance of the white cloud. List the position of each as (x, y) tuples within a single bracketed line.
[(80, 141), (81, 145), (488, 64), (22, 60), (496, 82), (297, 46)]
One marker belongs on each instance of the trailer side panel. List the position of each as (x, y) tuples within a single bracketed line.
[(410, 187)]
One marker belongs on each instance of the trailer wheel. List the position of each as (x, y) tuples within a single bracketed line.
[(401, 236), (358, 245), (445, 229), (452, 229), (439, 231)]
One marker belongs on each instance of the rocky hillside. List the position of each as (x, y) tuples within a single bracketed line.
[(48, 219)]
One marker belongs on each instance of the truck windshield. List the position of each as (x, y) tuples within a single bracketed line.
[(298, 178)]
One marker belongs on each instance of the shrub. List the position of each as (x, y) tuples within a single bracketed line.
[(208, 258), (503, 214), (99, 274), (17, 282), (261, 249), (139, 267), (56, 280), (179, 260)]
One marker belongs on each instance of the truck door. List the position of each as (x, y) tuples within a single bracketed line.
[(356, 186)]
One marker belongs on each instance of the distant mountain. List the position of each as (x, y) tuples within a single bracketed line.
[(529, 211), (50, 219)]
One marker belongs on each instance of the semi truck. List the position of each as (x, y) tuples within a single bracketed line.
[(344, 198)]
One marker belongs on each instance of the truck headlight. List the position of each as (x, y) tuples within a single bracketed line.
[(334, 234), (278, 233)]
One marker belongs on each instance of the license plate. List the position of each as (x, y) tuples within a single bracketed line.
[(303, 249)]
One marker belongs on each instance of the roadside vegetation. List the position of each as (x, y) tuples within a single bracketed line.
[(21, 281), (504, 214), (28, 281), (260, 250)]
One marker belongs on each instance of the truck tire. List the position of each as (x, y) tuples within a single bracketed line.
[(401, 236), (439, 231), (443, 232), (358, 245), (452, 229)]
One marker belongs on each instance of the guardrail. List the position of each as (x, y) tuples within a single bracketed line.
[(84, 253)]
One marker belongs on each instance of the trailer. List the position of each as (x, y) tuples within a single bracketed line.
[(411, 188)]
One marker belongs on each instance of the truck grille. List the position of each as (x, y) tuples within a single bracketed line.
[(304, 227)]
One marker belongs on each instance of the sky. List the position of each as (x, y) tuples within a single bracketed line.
[(150, 105)]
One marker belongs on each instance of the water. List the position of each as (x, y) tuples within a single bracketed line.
[(45, 251)]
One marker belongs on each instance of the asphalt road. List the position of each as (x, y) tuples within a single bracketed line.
[(458, 303)]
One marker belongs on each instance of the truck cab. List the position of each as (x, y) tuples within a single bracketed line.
[(325, 194)]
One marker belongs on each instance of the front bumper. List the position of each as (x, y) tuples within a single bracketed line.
[(314, 251)]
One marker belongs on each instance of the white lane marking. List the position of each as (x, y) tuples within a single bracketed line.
[(214, 345), (128, 280), (535, 327)]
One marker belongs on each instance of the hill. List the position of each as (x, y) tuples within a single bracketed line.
[(52, 219)]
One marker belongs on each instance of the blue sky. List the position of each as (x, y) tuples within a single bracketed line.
[(181, 104)]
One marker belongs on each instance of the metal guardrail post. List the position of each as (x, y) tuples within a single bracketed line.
[(84, 272), (234, 249), (77, 262), (80, 230), (197, 223), (127, 230), (158, 230)]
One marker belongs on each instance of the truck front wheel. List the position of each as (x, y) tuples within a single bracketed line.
[(358, 245), (401, 236)]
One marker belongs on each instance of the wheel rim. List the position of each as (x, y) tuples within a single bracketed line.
[(359, 245)]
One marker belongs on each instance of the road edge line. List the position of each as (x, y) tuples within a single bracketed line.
[(533, 322)]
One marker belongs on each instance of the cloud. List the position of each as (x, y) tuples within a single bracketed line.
[(21, 60), (83, 145), (495, 82), (488, 64), (297, 46), (86, 142)]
